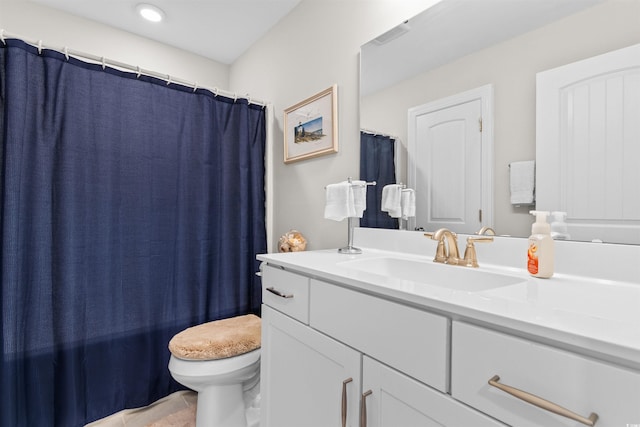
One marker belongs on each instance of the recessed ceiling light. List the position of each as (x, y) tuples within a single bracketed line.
[(150, 12)]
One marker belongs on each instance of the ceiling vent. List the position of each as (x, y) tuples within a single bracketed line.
[(392, 34)]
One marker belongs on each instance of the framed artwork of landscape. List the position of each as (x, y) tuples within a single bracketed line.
[(311, 126)]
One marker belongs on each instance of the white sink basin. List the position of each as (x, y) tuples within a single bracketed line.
[(433, 274)]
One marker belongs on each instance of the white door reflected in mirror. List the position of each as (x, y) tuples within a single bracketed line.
[(450, 165)]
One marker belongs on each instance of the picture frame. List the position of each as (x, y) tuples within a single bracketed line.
[(311, 126)]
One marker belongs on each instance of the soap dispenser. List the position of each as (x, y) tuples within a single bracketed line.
[(541, 249), (559, 229)]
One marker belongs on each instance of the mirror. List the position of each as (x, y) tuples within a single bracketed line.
[(460, 45)]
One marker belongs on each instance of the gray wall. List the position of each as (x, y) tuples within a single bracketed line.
[(315, 46)]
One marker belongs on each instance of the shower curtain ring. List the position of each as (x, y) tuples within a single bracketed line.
[(66, 52), (195, 87), (215, 91), (168, 79), (104, 63), (39, 47), (138, 73), (2, 36)]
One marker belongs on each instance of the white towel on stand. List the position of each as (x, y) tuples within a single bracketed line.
[(408, 203), (338, 203), (359, 195), (345, 199), (391, 200), (522, 182)]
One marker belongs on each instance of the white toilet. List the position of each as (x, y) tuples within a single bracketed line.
[(219, 360)]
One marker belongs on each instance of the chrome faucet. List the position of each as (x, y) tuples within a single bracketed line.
[(450, 254)]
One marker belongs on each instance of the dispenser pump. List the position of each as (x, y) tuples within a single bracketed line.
[(541, 226)]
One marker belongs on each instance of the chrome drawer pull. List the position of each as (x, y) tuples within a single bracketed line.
[(363, 408), (278, 293), (542, 403), (344, 401)]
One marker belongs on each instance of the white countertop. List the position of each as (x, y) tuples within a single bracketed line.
[(596, 317)]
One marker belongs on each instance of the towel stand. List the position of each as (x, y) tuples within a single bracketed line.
[(402, 223), (350, 249), (350, 181)]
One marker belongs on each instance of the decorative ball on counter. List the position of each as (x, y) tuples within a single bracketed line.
[(292, 241)]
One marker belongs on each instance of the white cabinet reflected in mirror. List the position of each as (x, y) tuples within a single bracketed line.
[(472, 43)]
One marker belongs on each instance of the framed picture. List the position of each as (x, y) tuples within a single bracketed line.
[(311, 126)]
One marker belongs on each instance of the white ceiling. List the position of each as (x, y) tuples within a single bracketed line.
[(217, 29)]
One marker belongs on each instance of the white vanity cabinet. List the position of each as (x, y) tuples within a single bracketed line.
[(425, 349), (360, 361), (577, 383)]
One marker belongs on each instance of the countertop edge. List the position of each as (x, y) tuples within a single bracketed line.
[(564, 339)]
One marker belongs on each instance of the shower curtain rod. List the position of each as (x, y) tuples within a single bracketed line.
[(120, 65), (373, 132)]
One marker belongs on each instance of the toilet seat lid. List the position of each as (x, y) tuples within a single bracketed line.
[(218, 339)]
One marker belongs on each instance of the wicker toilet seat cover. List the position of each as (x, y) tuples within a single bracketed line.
[(218, 339)]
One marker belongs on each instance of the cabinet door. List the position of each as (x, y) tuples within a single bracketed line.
[(397, 400), (303, 375)]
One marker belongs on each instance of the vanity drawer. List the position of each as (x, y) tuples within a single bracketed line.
[(286, 292), (411, 340), (580, 384)]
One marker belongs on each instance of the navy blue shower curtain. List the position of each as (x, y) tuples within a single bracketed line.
[(377, 163), (130, 209)]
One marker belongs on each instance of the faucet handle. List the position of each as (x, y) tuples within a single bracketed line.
[(481, 239), (486, 230), (470, 256)]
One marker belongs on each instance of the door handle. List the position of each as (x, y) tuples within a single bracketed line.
[(363, 408), (344, 401), (542, 403), (278, 293)]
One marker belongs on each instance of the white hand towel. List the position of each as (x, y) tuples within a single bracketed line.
[(522, 182), (339, 201), (344, 200), (391, 200), (359, 196), (408, 203)]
